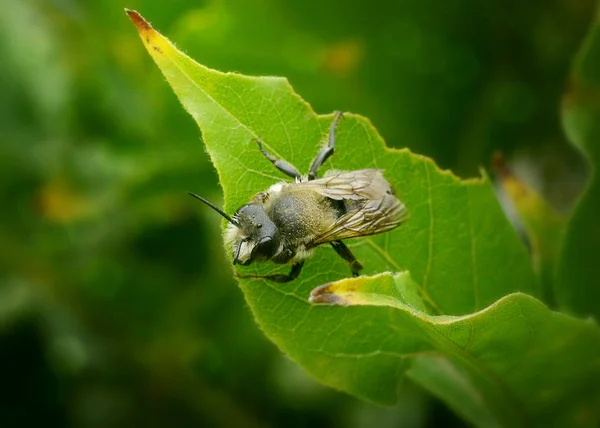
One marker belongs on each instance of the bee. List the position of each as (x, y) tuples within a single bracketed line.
[(286, 222)]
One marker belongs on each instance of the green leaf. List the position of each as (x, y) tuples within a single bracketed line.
[(461, 253), (457, 243), (578, 284), (543, 226), (513, 364)]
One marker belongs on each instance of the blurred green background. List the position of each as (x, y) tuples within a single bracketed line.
[(117, 303)]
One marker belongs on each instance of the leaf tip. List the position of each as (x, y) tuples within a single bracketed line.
[(326, 296), (138, 20), (153, 40)]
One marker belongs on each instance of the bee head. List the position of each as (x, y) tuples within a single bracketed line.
[(255, 237), (251, 234)]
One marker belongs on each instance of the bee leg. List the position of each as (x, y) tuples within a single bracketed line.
[(347, 255), (326, 151), (281, 278), (281, 165)]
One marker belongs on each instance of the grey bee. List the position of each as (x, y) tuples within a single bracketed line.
[(285, 223)]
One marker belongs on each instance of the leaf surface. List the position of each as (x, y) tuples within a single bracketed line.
[(457, 243)]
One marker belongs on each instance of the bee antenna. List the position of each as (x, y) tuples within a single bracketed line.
[(216, 208)]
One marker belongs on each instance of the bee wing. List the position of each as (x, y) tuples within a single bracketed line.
[(372, 206)]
